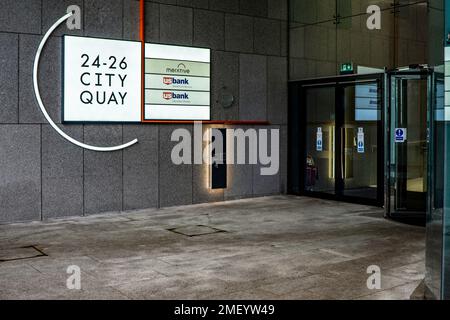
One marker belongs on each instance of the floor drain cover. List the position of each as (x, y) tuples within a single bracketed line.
[(21, 253), (195, 231)]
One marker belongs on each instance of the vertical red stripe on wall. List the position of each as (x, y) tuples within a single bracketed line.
[(141, 20)]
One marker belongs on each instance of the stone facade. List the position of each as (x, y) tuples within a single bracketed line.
[(42, 176)]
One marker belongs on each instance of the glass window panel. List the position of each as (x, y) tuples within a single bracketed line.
[(320, 140), (362, 113)]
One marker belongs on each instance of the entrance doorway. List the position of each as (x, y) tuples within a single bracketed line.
[(339, 133), (363, 139), (408, 125)]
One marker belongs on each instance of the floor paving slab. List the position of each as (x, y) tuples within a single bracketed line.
[(280, 247)]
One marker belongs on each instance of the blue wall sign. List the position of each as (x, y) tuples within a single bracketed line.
[(361, 141), (400, 135), (319, 140)]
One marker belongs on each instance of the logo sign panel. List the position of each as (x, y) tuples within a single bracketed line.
[(401, 135), (101, 80), (176, 97), (177, 83)]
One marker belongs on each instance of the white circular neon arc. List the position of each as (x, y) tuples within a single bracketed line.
[(41, 104)]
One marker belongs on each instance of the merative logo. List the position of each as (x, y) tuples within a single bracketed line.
[(177, 81), (181, 68), (175, 96)]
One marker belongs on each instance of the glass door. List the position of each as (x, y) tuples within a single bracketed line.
[(342, 129), (320, 143), (360, 137), (408, 160), (436, 181)]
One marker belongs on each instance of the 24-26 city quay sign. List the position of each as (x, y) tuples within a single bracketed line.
[(103, 81), (117, 81)]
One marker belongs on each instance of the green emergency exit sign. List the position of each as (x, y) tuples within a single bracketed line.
[(347, 68)]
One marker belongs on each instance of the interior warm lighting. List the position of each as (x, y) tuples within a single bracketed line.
[(331, 149), (207, 166)]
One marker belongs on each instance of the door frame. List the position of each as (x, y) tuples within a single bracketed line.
[(412, 74), (297, 152)]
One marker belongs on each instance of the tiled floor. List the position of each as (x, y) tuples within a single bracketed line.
[(274, 248)]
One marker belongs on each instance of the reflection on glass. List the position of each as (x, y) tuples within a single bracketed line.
[(417, 142), (320, 140), (435, 209), (367, 103), (409, 158), (362, 113)]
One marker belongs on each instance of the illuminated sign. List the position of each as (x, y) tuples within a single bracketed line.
[(367, 105), (177, 83), (104, 81), (347, 68), (101, 80)]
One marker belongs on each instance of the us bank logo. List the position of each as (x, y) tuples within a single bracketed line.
[(167, 81), (176, 96), (175, 81)]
